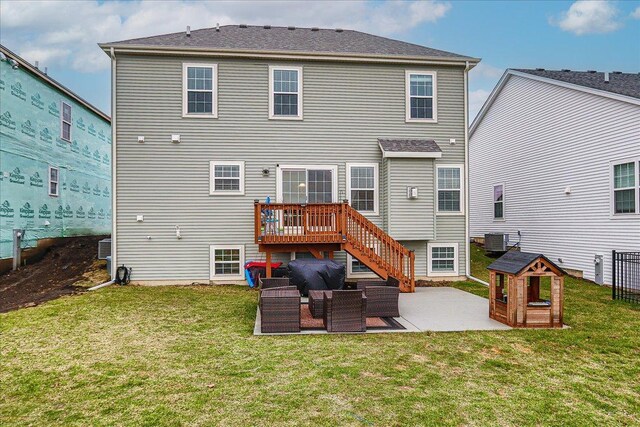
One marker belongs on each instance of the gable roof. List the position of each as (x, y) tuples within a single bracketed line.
[(420, 148), (25, 65), (627, 84), (622, 86), (257, 39), (514, 262)]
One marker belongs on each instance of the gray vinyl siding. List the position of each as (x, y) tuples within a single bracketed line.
[(538, 139), (450, 229), (346, 108), (411, 219)]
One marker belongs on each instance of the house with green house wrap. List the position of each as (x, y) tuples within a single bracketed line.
[(55, 158), (359, 143)]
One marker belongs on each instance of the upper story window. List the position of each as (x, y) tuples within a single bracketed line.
[(449, 189), (285, 92), (421, 96), (227, 178), (626, 187), (65, 123), (498, 201), (53, 181), (200, 90), (362, 187)]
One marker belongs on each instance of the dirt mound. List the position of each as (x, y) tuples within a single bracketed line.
[(66, 266)]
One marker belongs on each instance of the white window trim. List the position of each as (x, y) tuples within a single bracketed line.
[(214, 91), (334, 175), (272, 116), (456, 266), (493, 203), (50, 181), (62, 121), (212, 190), (376, 186), (212, 263), (407, 78), (612, 188), (462, 190)]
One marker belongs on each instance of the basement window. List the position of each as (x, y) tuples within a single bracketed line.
[(65, 122), (227, 262), (285, 93), (200, 86), (227, 178), (626, 183), (442, 259)]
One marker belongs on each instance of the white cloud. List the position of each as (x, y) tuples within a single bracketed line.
[(589, 16), (476, 101), (486, 71), (636, 13), (66, 33)]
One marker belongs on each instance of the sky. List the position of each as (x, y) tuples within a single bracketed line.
[(576, 35)]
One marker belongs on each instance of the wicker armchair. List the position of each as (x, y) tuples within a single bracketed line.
[(280, 309), (382, 297), (273, 282), (345, 311)]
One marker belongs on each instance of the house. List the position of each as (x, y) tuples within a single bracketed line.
[(206, 122), (554, 162), (55, 158)]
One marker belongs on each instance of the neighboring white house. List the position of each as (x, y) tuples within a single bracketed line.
[(555, 163)]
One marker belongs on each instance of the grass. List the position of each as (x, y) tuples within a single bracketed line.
[(170, 356)]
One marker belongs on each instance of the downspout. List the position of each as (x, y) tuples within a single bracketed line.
[(114, 251), (467, 245)]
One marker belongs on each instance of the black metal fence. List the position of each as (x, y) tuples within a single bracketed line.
[(626, 276)]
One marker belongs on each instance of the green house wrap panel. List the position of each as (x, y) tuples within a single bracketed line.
[(30, 142)]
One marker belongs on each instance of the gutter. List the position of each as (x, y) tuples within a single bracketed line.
[(467, 246), (102, 285), (114, 246), (302, 55)]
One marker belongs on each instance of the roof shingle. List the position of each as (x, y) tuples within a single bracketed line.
[(285, 39), (513, 262), (627, 84), (409, 145)]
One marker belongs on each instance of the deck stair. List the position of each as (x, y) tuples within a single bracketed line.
[(329, 227)]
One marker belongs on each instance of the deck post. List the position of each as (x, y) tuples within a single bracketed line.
[(268, 266)]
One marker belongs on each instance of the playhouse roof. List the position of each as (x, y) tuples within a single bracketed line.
[(513, 262)]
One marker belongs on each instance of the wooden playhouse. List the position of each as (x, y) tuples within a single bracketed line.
[(515, 295)]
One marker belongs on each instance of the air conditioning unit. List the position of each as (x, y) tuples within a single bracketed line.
[(496, 242), (104, 248)]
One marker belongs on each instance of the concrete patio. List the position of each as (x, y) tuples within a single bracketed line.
[(433, 309)]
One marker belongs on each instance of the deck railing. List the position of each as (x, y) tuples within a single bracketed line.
[(335, 223)]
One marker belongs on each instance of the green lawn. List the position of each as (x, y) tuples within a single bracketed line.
[(187, 356)]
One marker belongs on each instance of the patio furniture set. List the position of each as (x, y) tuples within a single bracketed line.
[(342, 310)]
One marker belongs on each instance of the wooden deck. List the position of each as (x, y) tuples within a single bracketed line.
[(329, 227)]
